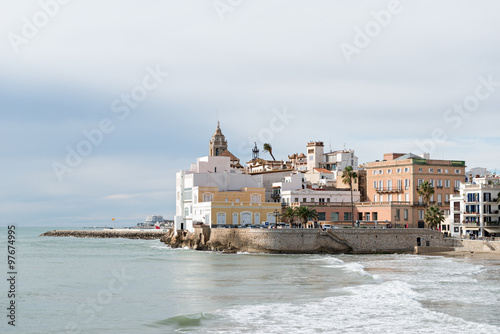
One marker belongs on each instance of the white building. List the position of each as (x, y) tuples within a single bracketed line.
[(333, 161), (318, 197), (210, 179), (475, 210)]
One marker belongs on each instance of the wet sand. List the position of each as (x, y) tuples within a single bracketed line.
[(470, 255)]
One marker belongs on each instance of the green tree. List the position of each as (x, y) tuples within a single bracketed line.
[(349, 177), (433, 216), (289, 214), (268, 148), (498, 197), (426, 191), (305, 213)]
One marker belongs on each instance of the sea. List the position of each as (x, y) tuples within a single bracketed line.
[(72, 285)]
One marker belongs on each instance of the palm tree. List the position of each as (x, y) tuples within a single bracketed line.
[(426, 191), (348, 177), (268, 148), (305, 213), (433, 216), (289, 215)]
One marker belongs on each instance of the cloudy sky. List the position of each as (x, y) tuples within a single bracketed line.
[(101, 102)]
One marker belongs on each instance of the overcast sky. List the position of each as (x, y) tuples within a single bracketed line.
[(374, 76)]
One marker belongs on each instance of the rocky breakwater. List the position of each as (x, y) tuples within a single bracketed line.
[(129, 234)]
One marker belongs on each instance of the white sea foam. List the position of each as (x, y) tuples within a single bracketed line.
[(389, 307)]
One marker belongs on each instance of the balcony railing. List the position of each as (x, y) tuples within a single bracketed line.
[(389, 189)]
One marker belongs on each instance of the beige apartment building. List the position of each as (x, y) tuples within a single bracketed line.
[(394, 182)]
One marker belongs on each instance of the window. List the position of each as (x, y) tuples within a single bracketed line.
[(375, 197), (389, 198), (186, 212), (420, 214), (381, 184), (375, 184), (334, 216), (457, 184), (296, 199), (398, 214), (221, 218), (439, 198), (389, 184), (431, 182), (374, 172), (400, 197), (312, 200), (375, 216), (431, 170), (447, 198), (407, 170), (446, 171), (347, 216), (439, 170), (419, 182), (367, 216), (406, 214), (208, 197), (446, 183), (398, 170), (235, 218), (457, 171), (407, 197), (237, 200), (257, 218), (380, 171), (420, 170), (407, 184), (389, 171), (381, 198), (255, 198), (321, 215), (440, 183)]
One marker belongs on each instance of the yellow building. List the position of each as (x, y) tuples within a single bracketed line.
[(245, 207)]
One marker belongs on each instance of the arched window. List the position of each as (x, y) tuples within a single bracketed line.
[(221, 218)]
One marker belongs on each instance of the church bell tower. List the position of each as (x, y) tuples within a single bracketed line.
[(218, 143)]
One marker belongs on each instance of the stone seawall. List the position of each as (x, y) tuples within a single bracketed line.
[(480, 246), (288, 241), (129, 234), (310, 241)]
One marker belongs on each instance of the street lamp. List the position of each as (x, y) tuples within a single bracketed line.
[(276, 215)]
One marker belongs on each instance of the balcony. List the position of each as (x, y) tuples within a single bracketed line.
[(439, 186), (491, 224), (382, 190), (456, 189), (471, 224), (419, 204)]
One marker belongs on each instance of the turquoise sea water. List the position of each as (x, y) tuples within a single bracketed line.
[(70, 285)]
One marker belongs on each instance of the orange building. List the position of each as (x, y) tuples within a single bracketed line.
[(394, 181)]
